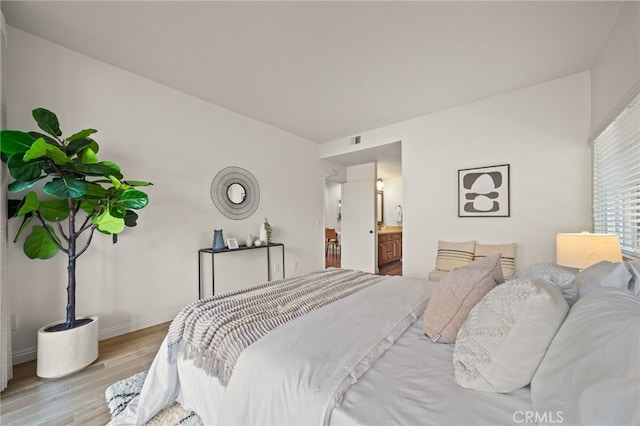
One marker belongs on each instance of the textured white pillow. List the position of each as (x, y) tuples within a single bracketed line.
[(452, 255), (499, 347), (590, 372), (561, 277)]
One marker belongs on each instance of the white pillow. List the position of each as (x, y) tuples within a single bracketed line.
[(561, 277), (452, 255), (507, 255), (634, 284), (603, 274), (501, 344), (590, 373)]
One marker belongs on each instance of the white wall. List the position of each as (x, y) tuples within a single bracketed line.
[(617, 69), (179, 143), (541, 131)]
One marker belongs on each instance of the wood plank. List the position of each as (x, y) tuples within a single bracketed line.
[(78, 399)]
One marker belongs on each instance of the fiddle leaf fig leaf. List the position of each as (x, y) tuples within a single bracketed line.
[(54, 210), (25, 171), (115, 169), (77, 145), (48, 139), (15, 141), (88, 156), (131, 218), (29, 204), (47, 121), (133, 199), (118, 212), (137, 183), (96, 191), (115, 182), (66, 187), (82, 134), (108, 224), (21, 186), (13, 206), (39, 245), (42, 149), (95, 169), (38, 149), (25, 221), (90, 207)]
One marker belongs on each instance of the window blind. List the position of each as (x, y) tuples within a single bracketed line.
[(616, 179)]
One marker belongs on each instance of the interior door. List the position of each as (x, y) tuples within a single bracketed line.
[(358, 239)]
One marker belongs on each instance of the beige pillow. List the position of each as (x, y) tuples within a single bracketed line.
[(456, 294), (507, 258), (454, 255), (501, 344)]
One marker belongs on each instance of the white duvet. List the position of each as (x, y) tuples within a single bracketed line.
[(361, 360)]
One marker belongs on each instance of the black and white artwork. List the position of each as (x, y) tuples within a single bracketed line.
[(484, 191)]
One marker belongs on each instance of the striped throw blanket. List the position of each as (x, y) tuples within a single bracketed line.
[(212, 332)]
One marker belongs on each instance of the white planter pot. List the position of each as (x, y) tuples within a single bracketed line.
[(61, 353)]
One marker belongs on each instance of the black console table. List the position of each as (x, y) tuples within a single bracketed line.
[(213, 254)]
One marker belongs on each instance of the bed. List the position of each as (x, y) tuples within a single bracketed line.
[(364, 358)]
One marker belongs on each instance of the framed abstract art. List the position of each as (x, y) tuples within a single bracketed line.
[(484, 192)]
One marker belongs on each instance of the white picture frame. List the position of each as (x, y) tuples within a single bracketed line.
[(232, 243)]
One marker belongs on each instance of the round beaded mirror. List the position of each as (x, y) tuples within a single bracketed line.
[(235, 193)]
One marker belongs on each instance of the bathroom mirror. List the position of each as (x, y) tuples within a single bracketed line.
[(380, 207), (235, 193)]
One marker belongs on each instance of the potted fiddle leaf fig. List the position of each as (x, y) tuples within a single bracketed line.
[(67, 194)]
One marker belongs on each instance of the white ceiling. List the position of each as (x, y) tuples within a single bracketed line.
[(326, 70)]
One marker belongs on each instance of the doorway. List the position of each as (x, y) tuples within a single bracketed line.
[(386, 209), (332, 222)]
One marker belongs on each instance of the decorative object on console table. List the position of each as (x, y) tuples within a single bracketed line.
[(249, 240), (232, 243), (581, 250), (82, 194), (484, 192), (218, 240), (266, 231)]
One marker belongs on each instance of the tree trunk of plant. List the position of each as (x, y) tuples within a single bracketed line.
[(71, 272)]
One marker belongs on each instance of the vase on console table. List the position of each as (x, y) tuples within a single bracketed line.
[(218, 241)]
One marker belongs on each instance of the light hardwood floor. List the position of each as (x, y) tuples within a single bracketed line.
[(78, 399)]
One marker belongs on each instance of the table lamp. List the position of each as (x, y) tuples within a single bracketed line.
[(581, 250)]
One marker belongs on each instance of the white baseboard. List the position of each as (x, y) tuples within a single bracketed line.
[(135, 326), (29, 354), (24, 355)]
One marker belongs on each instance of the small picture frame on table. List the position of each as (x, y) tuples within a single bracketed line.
[(232, 243)]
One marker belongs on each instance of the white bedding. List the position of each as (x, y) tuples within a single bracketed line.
[(411, 383)]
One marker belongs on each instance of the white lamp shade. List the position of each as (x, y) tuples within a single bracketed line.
[(581, 250)]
